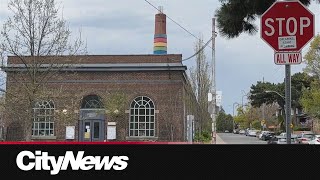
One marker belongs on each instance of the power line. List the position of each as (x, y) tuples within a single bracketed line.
[(175, 22), (201, 49)]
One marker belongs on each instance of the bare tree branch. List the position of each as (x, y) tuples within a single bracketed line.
[(36, 36)]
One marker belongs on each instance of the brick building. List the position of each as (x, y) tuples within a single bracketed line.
[(153, 91), (100, 97)]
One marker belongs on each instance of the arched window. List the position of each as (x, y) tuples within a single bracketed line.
[(43, 118), (142, 117), (91, 102)]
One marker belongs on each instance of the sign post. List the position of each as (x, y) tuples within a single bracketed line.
[(288, 102), (287, 26)]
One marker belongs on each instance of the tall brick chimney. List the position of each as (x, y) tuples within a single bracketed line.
[(160, 33)]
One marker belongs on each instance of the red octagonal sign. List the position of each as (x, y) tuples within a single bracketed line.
[(287, 26)]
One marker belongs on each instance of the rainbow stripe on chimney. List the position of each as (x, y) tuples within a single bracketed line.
[(160, 34)]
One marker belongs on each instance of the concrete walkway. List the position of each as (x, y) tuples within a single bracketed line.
[(219, 140)]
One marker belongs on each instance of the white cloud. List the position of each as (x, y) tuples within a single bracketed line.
[(127, 27)]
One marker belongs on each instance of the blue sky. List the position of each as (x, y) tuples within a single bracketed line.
[(127, 27)]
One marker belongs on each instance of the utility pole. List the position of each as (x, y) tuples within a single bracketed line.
[(199, 94), (263, 109), (213, 79), (263, 115)]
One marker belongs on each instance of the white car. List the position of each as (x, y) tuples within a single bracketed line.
[(285, 134), (252, 133), (304, 138), (283, 140), (242, 131), (315, 139)]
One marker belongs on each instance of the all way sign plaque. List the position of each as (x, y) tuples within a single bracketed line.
[(283, 58)]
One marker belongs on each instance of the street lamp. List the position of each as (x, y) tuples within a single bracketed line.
[(276, 93), (245, 94), (235, 103), (288, 130), (284, 99)]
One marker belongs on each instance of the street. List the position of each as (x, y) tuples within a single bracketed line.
[(230, 138)]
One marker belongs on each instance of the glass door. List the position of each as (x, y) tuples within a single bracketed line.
[(92, 130)]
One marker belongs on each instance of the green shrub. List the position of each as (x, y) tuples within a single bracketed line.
[(205, 136)]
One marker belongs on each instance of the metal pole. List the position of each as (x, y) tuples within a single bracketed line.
[(233, 117), (263, 115), (213, 79), (199, 90), (233, 114), (288, 101)]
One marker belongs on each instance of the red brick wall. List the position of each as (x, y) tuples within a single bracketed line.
[(165, 88)]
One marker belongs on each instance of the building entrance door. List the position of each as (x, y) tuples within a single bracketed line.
[(92, 130), (92, 119)]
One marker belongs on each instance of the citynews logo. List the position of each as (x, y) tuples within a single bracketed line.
[(42, 161)]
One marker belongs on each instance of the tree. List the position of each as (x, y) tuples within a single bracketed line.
[(38, 39), (310, 100), (299, 81), (310, 94), (259, 96), (241, 117), (115, 103), (312, 58), (201, 85), (224, 121), (250, 115), (170, 127), (238, 16)]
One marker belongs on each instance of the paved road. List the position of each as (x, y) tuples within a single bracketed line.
[(230, 138)]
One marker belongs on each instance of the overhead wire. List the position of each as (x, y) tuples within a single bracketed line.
[(173, 21), (201, 49)]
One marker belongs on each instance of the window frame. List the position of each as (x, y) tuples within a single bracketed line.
[(43, 124), (142, 119)]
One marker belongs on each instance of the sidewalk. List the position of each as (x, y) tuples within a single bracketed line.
[(219, 140)]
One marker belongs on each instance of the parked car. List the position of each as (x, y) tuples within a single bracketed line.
[(262, 133), (226, 131), (258, 134), (252, 133), (304, 138), (268, 135), (283, 140), (283, 134), (315, 139), (236, 131), (247, 131), (242, 131)]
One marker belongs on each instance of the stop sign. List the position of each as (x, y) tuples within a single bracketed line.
[(287, 26)]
